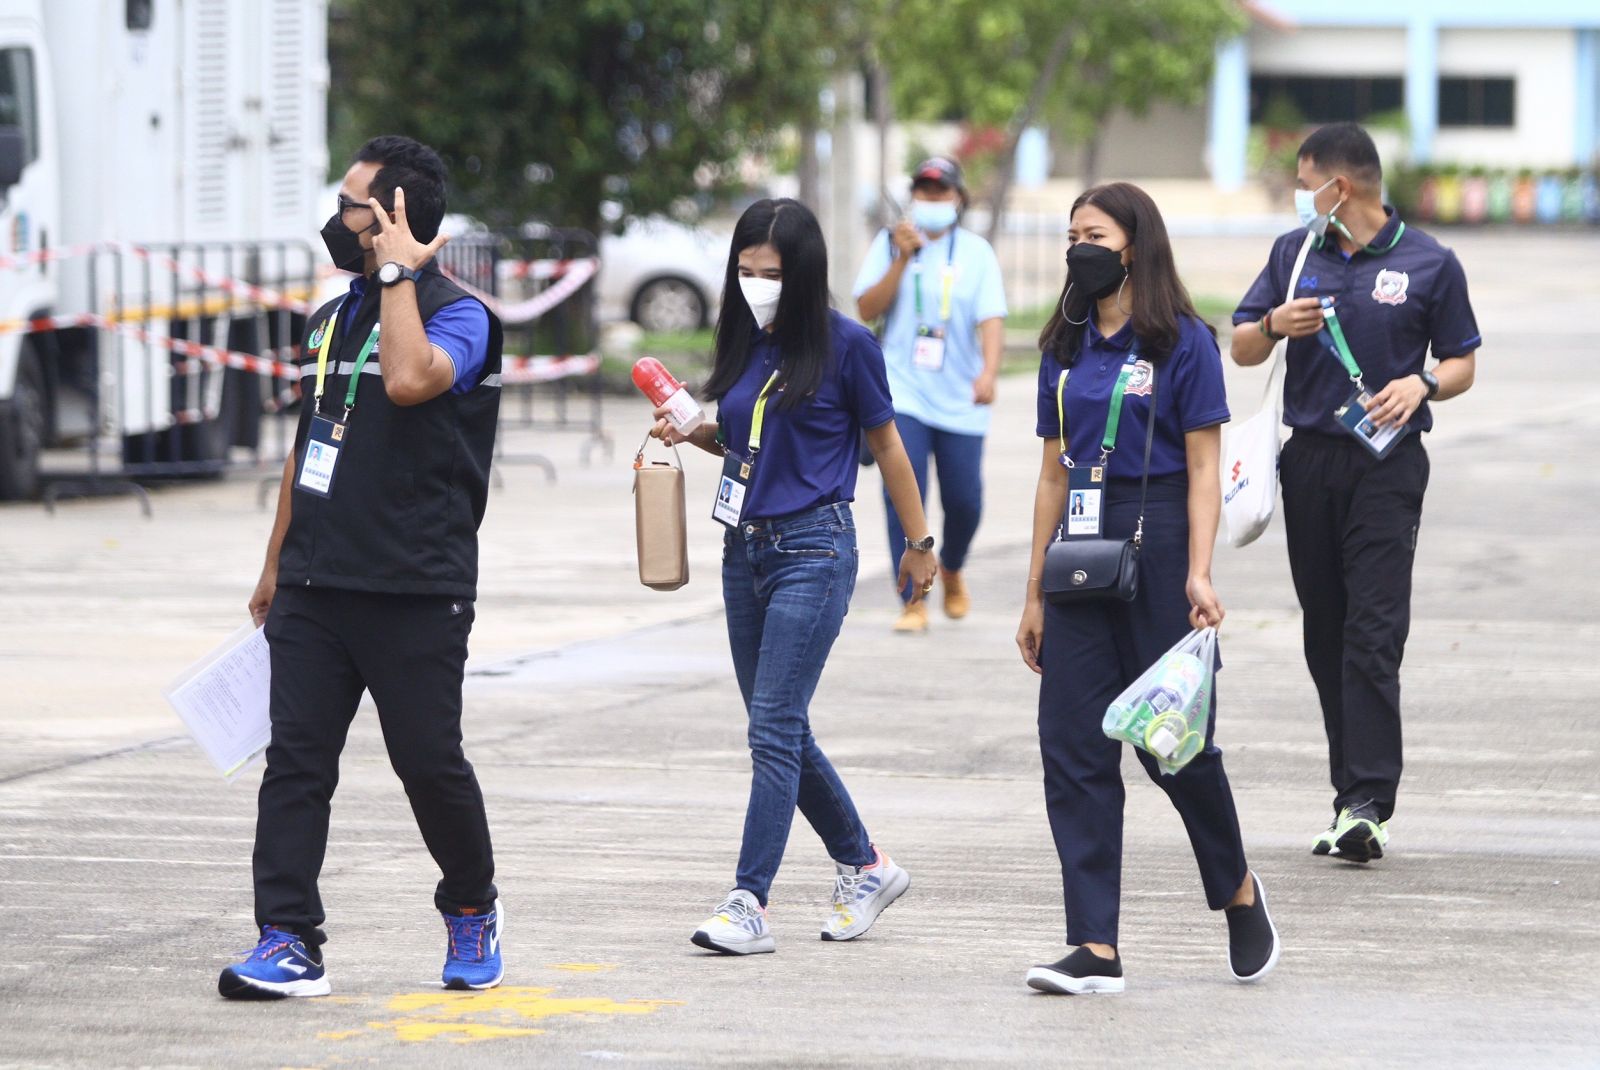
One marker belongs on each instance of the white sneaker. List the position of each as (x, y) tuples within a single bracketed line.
[(739, 927), (861, 893)]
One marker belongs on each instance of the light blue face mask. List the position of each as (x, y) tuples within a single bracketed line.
[(1305, 206), (933, 217)]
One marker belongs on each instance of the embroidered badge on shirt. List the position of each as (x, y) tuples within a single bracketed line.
[(1139, 381), (316, 336), (1390, 287)]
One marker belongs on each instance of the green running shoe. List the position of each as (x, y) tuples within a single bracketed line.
[(1358, 834)]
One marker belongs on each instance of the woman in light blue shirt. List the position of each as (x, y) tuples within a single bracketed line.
[(937, 288)]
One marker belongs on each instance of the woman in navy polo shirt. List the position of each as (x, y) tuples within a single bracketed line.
[(795, 384), (1125, 317)]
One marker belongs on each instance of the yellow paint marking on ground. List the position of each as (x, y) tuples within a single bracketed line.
[(465, 1017), (460, 1032), (584, 967)]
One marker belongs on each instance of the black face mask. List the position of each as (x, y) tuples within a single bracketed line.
[(344, 245), (1096, 269)]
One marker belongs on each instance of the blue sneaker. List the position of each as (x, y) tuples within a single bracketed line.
[(472, 958), (279, 966)]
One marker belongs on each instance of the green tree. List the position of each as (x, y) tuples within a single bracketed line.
[(547, 109), (1065, 63)]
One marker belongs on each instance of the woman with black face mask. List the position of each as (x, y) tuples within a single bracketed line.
[(1123, 355)]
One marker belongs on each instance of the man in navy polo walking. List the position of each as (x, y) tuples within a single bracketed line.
[(1374, 296)]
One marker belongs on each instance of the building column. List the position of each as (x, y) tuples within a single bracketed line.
[(1586, 138), (1228, 140), (1422, 86)]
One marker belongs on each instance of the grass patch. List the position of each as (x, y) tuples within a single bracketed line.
[(699, 341)]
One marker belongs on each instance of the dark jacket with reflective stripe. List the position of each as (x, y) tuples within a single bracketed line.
[(411, 482)]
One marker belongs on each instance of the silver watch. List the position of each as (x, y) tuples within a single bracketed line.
[(393, 272)]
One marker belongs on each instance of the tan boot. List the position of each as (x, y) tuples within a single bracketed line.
[(957, 603), (913, 619)]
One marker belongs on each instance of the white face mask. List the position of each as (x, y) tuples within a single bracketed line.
[(1305, 206), (933, 217), (762, 297)]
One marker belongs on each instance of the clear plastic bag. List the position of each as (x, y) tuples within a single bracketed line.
[(1166, 711)]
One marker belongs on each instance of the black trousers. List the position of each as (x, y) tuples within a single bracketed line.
[(410, 652), (1352, 522), (1091, 652)]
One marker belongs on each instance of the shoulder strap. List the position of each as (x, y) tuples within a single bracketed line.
[(1149, 441), (1279, 360)]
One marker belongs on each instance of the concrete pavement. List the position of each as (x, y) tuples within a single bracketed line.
[(606, 730)]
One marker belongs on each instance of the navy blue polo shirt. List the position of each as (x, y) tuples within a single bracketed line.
[(809, 455), (1394, 304), (1191, 395)]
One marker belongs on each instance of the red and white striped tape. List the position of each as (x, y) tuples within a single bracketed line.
[(539, 270), (235, 287), (572, 277), (518, 371)]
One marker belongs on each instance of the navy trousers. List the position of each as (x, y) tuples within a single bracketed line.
[(1091, 652)]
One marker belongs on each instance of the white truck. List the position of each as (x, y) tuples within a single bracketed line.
[(167, 125)]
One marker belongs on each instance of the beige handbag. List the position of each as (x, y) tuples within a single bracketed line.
[(660, 521)]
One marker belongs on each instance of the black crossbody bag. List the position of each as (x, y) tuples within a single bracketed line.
[(1086, 570)]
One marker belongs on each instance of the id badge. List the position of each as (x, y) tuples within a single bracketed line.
[(731, 490), (323, 443), (1085, 493), (928, 353), (1380, 441)]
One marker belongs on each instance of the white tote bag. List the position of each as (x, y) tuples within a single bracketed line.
[(1249, 468)]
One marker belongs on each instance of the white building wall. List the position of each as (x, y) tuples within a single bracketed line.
[(1544, 65), (1329, 50)]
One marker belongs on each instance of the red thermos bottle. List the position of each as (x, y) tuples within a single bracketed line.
[(661, 388)]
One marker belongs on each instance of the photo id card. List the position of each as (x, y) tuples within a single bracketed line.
[(1085, 491), (731, 488), (323, 443), (928, 352), (1352, 416)]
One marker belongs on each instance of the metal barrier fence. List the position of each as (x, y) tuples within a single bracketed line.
[(1032, 250), (184, 350), (541, 282)]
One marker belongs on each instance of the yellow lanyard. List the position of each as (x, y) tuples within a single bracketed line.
[(322, 363), (946, 285), (759, 416)]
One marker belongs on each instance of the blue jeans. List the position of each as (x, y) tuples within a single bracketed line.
[(959, 459), (787, 585)]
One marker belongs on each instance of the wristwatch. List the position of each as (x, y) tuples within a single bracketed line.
[(1431, 381), (924, 544), (394, 271)]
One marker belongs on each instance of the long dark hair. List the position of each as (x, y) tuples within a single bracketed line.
[(801, 328), (1159, 297)]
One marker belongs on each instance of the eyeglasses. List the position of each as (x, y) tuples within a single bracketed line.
[(346, 204)]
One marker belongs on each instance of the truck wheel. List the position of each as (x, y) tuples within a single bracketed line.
[(23, 421)]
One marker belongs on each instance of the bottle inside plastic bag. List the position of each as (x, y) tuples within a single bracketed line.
[(1166, 710)]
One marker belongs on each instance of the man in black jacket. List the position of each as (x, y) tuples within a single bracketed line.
[(371, 571)]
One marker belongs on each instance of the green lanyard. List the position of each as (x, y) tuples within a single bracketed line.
[(1108, 441), (1370, 248), (1336, 341), (946, 286), (355, 376)]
